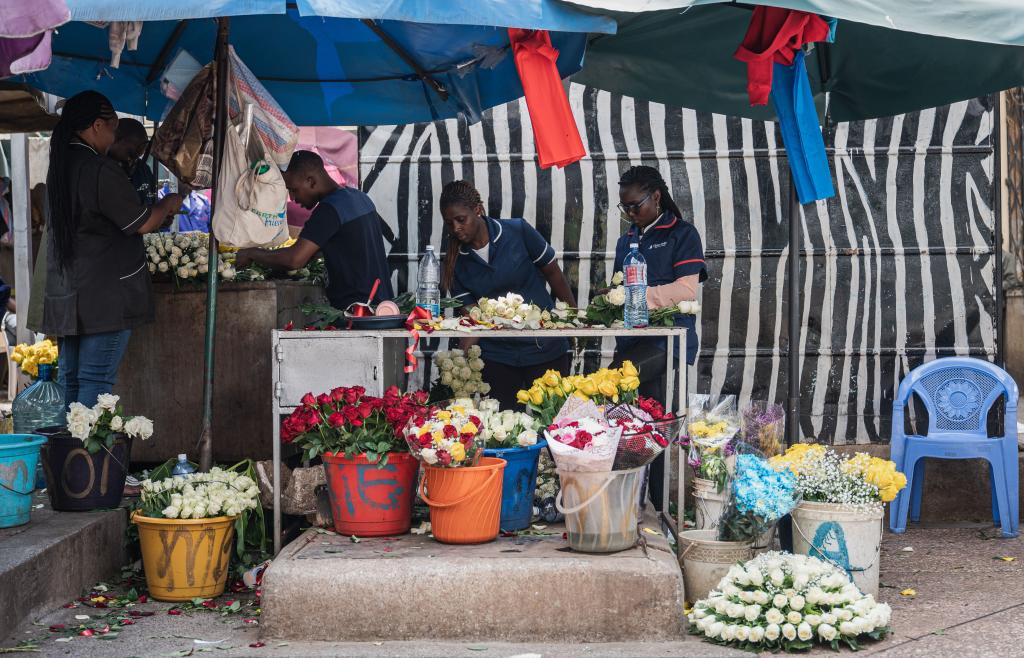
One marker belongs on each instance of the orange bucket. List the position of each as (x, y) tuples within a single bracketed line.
[(465, 503)]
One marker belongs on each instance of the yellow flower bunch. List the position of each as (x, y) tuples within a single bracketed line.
[(608, 385), (702, 429), (30, 357), (876, 471), (798, 458)]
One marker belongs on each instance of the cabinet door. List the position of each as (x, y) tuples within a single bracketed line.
[(319, 364)]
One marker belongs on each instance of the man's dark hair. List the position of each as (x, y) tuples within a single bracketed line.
[(130, 129), (305, 162)]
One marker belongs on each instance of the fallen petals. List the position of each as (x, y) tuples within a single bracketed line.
[(257, 645), (174, 611), (909, 592)]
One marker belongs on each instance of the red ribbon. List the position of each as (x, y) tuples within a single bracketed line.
[(418, 313)]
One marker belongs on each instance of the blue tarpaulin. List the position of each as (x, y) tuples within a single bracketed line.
[(318, 59)]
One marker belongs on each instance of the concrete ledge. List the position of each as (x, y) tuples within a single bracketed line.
[(53, 558), (528, 589)]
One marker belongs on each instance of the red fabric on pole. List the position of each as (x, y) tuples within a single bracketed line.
[(554, 128), (774, 35)]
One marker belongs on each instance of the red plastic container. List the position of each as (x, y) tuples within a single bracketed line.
[(371, 501)]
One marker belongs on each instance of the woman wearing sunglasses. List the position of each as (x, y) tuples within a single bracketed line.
[(675, 270)]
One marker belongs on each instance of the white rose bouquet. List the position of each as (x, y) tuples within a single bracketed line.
[(505, 429), (101, 425), (459, 374), (511, 311), (607, 308), (183, 256), (788, 602), (199, 495)]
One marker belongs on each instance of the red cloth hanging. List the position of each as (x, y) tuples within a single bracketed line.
[(554, 128), (774, 35)]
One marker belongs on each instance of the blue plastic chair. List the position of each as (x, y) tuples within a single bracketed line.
[(958, 393)]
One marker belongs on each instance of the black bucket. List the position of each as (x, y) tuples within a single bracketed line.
[(78, 480)]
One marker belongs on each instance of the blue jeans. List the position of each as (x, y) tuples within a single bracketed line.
[(88, 365)]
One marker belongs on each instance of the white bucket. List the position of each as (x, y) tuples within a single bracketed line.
[(601, 509), (709, 503), (707, 560), (850, 540)]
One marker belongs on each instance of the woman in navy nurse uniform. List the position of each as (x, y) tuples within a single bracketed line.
[(675, 269), (488, 257)]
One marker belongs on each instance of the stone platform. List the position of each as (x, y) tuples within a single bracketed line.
[(529, 588)]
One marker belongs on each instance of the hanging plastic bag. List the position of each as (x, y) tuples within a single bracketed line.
[(251, 198), (277, 132), (187, 130)]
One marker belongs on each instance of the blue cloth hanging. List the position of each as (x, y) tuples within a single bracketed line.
[(801, 134)]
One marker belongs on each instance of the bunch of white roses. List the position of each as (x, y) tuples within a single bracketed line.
[(511, 311), (788, 602), (199, 495), (101, 424), (184, 256), (461, 372), (505, 429)]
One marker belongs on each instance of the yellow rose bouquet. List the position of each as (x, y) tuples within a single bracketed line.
[(859, 481), (30, 357), (606, 386)]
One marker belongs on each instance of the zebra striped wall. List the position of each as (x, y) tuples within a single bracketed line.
[(897, 268)]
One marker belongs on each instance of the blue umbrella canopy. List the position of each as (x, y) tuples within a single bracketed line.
[(326, 62)]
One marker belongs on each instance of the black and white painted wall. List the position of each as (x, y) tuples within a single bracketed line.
[(896, 269)]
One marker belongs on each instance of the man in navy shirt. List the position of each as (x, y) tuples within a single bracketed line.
[(129, 150), (344, 226)]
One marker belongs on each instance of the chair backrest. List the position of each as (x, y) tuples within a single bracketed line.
[(958, 393)]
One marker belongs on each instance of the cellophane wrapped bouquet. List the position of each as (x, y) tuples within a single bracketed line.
[(449, 437), (712, 431), (646, 431), (764, 427), (759, 495), (581, 439)]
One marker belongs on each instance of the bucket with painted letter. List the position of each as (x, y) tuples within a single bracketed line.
[(849, 539), (369, 500), (186, 559), (19, 455)]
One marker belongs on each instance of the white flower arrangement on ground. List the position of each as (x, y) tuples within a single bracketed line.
[(100, 426), (788, 602), (461, 372), (199, 495), (505, 429), (183, 256)]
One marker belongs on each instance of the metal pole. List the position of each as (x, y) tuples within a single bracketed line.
[(21, 231), (997, 214), (793, 369), (220, 126)]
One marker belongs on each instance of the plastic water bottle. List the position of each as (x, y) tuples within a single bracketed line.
[(635, 279), (428, 290), (183, 467)]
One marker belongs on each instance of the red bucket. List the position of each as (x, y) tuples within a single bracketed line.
[(371, 501)]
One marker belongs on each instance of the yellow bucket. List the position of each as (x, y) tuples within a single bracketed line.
[(186, 558)]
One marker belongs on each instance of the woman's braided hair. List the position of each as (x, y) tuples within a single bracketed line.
[(461, 193), (80, 111), (648, 179)]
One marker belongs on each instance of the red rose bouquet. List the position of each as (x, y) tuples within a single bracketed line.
[(348, 421)]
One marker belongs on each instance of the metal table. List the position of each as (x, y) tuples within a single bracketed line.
[(329, 359)]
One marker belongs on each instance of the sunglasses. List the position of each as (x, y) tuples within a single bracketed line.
[(630, 208)]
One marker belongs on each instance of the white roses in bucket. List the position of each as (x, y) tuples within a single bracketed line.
[(789, 602), (100, 425)]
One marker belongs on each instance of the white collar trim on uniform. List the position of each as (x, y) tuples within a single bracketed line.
[(86, 146), (462, 250)]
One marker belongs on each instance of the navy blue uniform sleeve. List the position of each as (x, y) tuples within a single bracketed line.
[(117, 199), (688, 257), (321, 225), (620, 255), (537, 248)]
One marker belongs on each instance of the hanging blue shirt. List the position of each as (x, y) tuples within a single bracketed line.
[(672, 249), (515, 254)]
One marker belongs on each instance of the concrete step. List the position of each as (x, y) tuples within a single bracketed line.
[(524, 589), (50, 560)]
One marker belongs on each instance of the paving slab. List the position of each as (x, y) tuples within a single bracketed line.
[(524, 588), (54, 557)]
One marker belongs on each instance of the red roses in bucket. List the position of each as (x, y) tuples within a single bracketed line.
[(348, 421)]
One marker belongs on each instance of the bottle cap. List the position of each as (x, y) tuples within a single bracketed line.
[(634, 245), (182, 457), (430, 247)]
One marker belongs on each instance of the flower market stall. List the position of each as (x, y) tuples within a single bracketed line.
[(313, 360)]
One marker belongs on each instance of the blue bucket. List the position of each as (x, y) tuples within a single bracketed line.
[(19, 456), (518, 485)]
